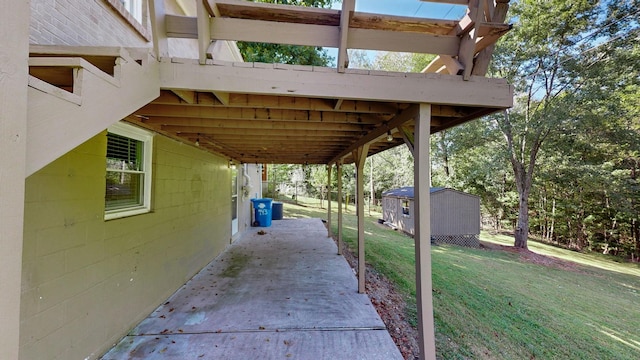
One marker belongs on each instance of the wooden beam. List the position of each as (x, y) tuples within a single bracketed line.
[(406, 115), (268, 79), (313, 35), (408, 138), (158, 29), (468, 42), (489, 7), (339, 169), (201, 112), (278, 12), (221, 124), (484, 57), (283, 102), (185, 95), (262, 132), (449, 64), (204, 31), (329, 232), (348, 6), (223, 97), (360, 155), (212, 7), (384, 40), (362, 20), (422, 183)]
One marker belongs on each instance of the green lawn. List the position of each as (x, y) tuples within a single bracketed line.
[(488, 304)]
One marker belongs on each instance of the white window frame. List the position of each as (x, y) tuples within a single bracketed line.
[(134, 7), (146, 138)]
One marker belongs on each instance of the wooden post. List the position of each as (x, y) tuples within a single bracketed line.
[(422, 161), (158, 29), (204, 31), (329, 200), (339, 169), (14, 78), (360, 155)]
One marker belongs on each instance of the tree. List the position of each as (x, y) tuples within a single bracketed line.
[(287, 54), (534, 57)]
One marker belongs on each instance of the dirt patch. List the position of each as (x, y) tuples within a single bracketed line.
[(390, 305), (534, 258)]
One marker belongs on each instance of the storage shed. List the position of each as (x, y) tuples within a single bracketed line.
[(455, 215)]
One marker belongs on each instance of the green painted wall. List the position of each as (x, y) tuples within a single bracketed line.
[(87, 281)]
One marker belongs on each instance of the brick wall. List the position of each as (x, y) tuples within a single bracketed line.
[(87, 281), (83, 22)]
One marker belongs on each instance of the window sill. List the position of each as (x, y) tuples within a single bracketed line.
[(118, 214), (139, 28)]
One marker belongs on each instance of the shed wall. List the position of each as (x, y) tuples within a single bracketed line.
[(454, 213), (392, 213), (87, 281)]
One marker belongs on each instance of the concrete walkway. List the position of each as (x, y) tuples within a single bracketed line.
[(282, 295)]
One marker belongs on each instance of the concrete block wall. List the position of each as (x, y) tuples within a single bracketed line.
[(87, 281), (85, 22)]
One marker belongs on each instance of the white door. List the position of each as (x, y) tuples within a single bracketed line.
[(234, 201)]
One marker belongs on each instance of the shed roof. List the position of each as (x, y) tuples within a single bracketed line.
[(407, 191)]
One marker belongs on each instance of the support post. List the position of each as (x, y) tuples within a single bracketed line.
[(158, 29), (204, 31), (339, 169), (424, 301), (360, 156), (14, 79), (329, 200)]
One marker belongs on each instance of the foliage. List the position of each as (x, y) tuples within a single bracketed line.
[(287, 54)]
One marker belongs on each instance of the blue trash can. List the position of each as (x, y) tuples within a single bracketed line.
[(262, 208), (276, 210)]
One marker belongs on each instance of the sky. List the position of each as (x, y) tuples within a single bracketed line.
[(411, 8), (415, 8)]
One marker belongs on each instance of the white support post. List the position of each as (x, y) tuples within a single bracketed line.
[(422, 161), (158, 29), (14, 79), (329, 200), (204, 31), (348, 6), (360, 156), (339, 169)]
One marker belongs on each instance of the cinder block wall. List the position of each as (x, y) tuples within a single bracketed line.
[(87, 281)]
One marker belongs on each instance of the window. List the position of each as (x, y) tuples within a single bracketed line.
[(128, 183), (135, 13), (134, 7), (405, 208)]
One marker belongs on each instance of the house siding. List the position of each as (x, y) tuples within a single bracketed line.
[(87, 281)]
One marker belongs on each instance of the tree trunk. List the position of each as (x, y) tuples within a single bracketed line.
[(522, 228)]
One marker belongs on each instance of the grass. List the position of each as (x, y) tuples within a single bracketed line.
[(488, 304)]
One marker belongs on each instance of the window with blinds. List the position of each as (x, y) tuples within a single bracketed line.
[(128, 177)]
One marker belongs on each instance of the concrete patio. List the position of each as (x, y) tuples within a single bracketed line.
[(281, 295)]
